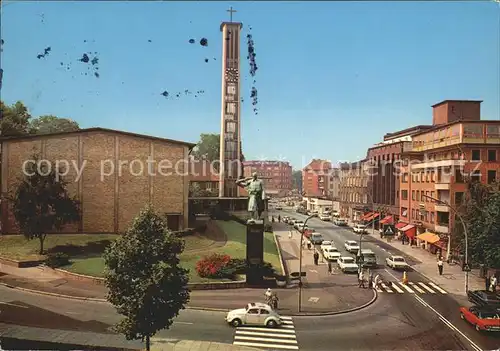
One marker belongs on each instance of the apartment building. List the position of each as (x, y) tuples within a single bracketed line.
[(316, 178), (458, 148), (276, 175), (334, 184), (353, 193)]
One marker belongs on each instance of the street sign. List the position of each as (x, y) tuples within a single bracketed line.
[(389, 229), (466, 268)]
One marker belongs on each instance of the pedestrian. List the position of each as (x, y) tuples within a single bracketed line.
[(440, 266), (329, 267), (268, 294), (316, 257), (370, 279), (361, 280), (274, 301), (290, 234), (493, 284), (487, 282), (272, 218), (279, 218), (376, 280), (309, 245)]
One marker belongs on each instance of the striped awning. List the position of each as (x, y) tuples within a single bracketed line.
[(406, 228), (429, 237), (372, 217), (366, 215), (401, 225), (386, 220)]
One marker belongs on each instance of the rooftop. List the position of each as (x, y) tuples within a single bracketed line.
[(445, 101)]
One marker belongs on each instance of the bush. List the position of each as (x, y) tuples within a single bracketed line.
[(213, 266), (265, 269), (57, 259)]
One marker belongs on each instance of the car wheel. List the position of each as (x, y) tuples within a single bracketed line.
[(462, 316), (271, 323), (477, 328), (236, 322)]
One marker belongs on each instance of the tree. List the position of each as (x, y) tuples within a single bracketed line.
[(52, 124), (145, 281), (15, 119), (208, 147), (41, 203), (481, 214)]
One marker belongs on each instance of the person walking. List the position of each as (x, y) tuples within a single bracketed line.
[(487, 282), (290, 234), (440, 266), (370, 279), (329, 267), (269, 295), (316, 257), (376, 281), (493, 284), (279, 218), (361, 280), (274, 301)]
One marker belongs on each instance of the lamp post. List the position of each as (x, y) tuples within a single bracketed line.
[(444, 203), (300, 264)]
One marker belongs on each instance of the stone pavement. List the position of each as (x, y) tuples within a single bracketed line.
[(453, 278), (12, 334)]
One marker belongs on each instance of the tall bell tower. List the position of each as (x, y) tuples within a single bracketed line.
[(230, 136)]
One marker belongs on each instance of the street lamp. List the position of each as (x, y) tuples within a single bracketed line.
[(300, 263), (444, 203)]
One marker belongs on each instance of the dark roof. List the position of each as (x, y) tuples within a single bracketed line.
[(407, 131), (445, 101), (97, 129)]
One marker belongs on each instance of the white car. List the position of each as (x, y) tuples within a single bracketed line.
[(396, 262), (256, 313), (291, 221), (301, 227), (360, 229), (324, 217), (331, 253), (325, 245), (347, 264), (351, 246), (340, 222), (297, 222)]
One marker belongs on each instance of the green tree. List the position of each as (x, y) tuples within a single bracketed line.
[(15, 119), (145, 281), (52, 124), (208, 147), (41, 203), (481, 214)]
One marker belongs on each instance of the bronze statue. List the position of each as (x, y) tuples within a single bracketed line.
[(255, 188)]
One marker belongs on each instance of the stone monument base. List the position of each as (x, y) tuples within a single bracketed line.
[(255, 250)]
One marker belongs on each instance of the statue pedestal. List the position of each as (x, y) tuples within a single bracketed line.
[(255, 249)]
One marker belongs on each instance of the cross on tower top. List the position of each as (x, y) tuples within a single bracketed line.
[(231, 11)]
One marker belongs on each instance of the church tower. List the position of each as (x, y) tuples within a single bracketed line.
[(230, 136)]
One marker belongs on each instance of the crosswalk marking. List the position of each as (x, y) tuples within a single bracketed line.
[(427, 288), (416, 287), (437, 288), (411, 287), (280, 338)]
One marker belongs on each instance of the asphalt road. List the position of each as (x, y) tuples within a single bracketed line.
[(398, 321)]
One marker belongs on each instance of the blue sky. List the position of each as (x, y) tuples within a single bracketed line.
[(333, 77)]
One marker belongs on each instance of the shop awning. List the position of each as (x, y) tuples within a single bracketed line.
[(407, 227), (441, 244), (372, 217), (401, 225), (386, 220), (366, 215), (429, 237), (410, 230)]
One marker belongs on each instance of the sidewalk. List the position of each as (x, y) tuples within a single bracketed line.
[(453, 278), (18, 337)]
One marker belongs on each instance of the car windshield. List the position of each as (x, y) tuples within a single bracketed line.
[(332, 249), (348, 260), (326, 243), (398, 259), (490, 315)]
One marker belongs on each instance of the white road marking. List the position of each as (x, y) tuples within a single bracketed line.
[(287, 326), (187, 323), (313, 299), (447, 322), (12, 304), (287, 322), (277, 330), (286, 318), (416, 287), (283, 336), (397, 288), (407, 288), (437, 288), (427, 288), (313, 271), (268, 346), (387, 288), (250, 338)]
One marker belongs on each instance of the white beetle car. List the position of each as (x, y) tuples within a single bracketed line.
[(351, 246), (256, 313), (325, 245), (396, 262), (331, 254), (347, 264)]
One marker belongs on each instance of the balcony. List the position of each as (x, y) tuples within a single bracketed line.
[(442, 186), (441, 208), (436, 164), (442, 228)]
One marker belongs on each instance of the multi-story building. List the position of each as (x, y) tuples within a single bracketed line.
[(204, 176), (383, 161), (334, 184), (315, 178), (353, 190), (459, 148), (276, 175)]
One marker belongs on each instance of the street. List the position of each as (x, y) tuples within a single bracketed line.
[(401, 319)]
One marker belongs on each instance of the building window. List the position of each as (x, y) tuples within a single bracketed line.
[(413, 195), (459, 178), (231, 108), (432, 218), (492, 176), (492, 155), (418, 195), (231, 88), (404, 179), (404, 194), (459, 198), (432, 195), (476, 155)]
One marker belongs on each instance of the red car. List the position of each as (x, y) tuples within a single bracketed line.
[(482, 318)]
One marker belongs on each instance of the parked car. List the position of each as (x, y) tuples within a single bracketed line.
[(301, 227), (347, 264), (255, 313), (351, 246), (325, 217), (297, 222), (483, 298), (360, 229), (396, 262), (316, 238), (325, 245), (482, 318), (331, 253), (285, 219), (291, 220), (278, 208), (340, 222)]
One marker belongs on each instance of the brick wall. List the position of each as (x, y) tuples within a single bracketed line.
[(109, 201)]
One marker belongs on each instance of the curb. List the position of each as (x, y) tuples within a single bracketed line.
[(94, 299)]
